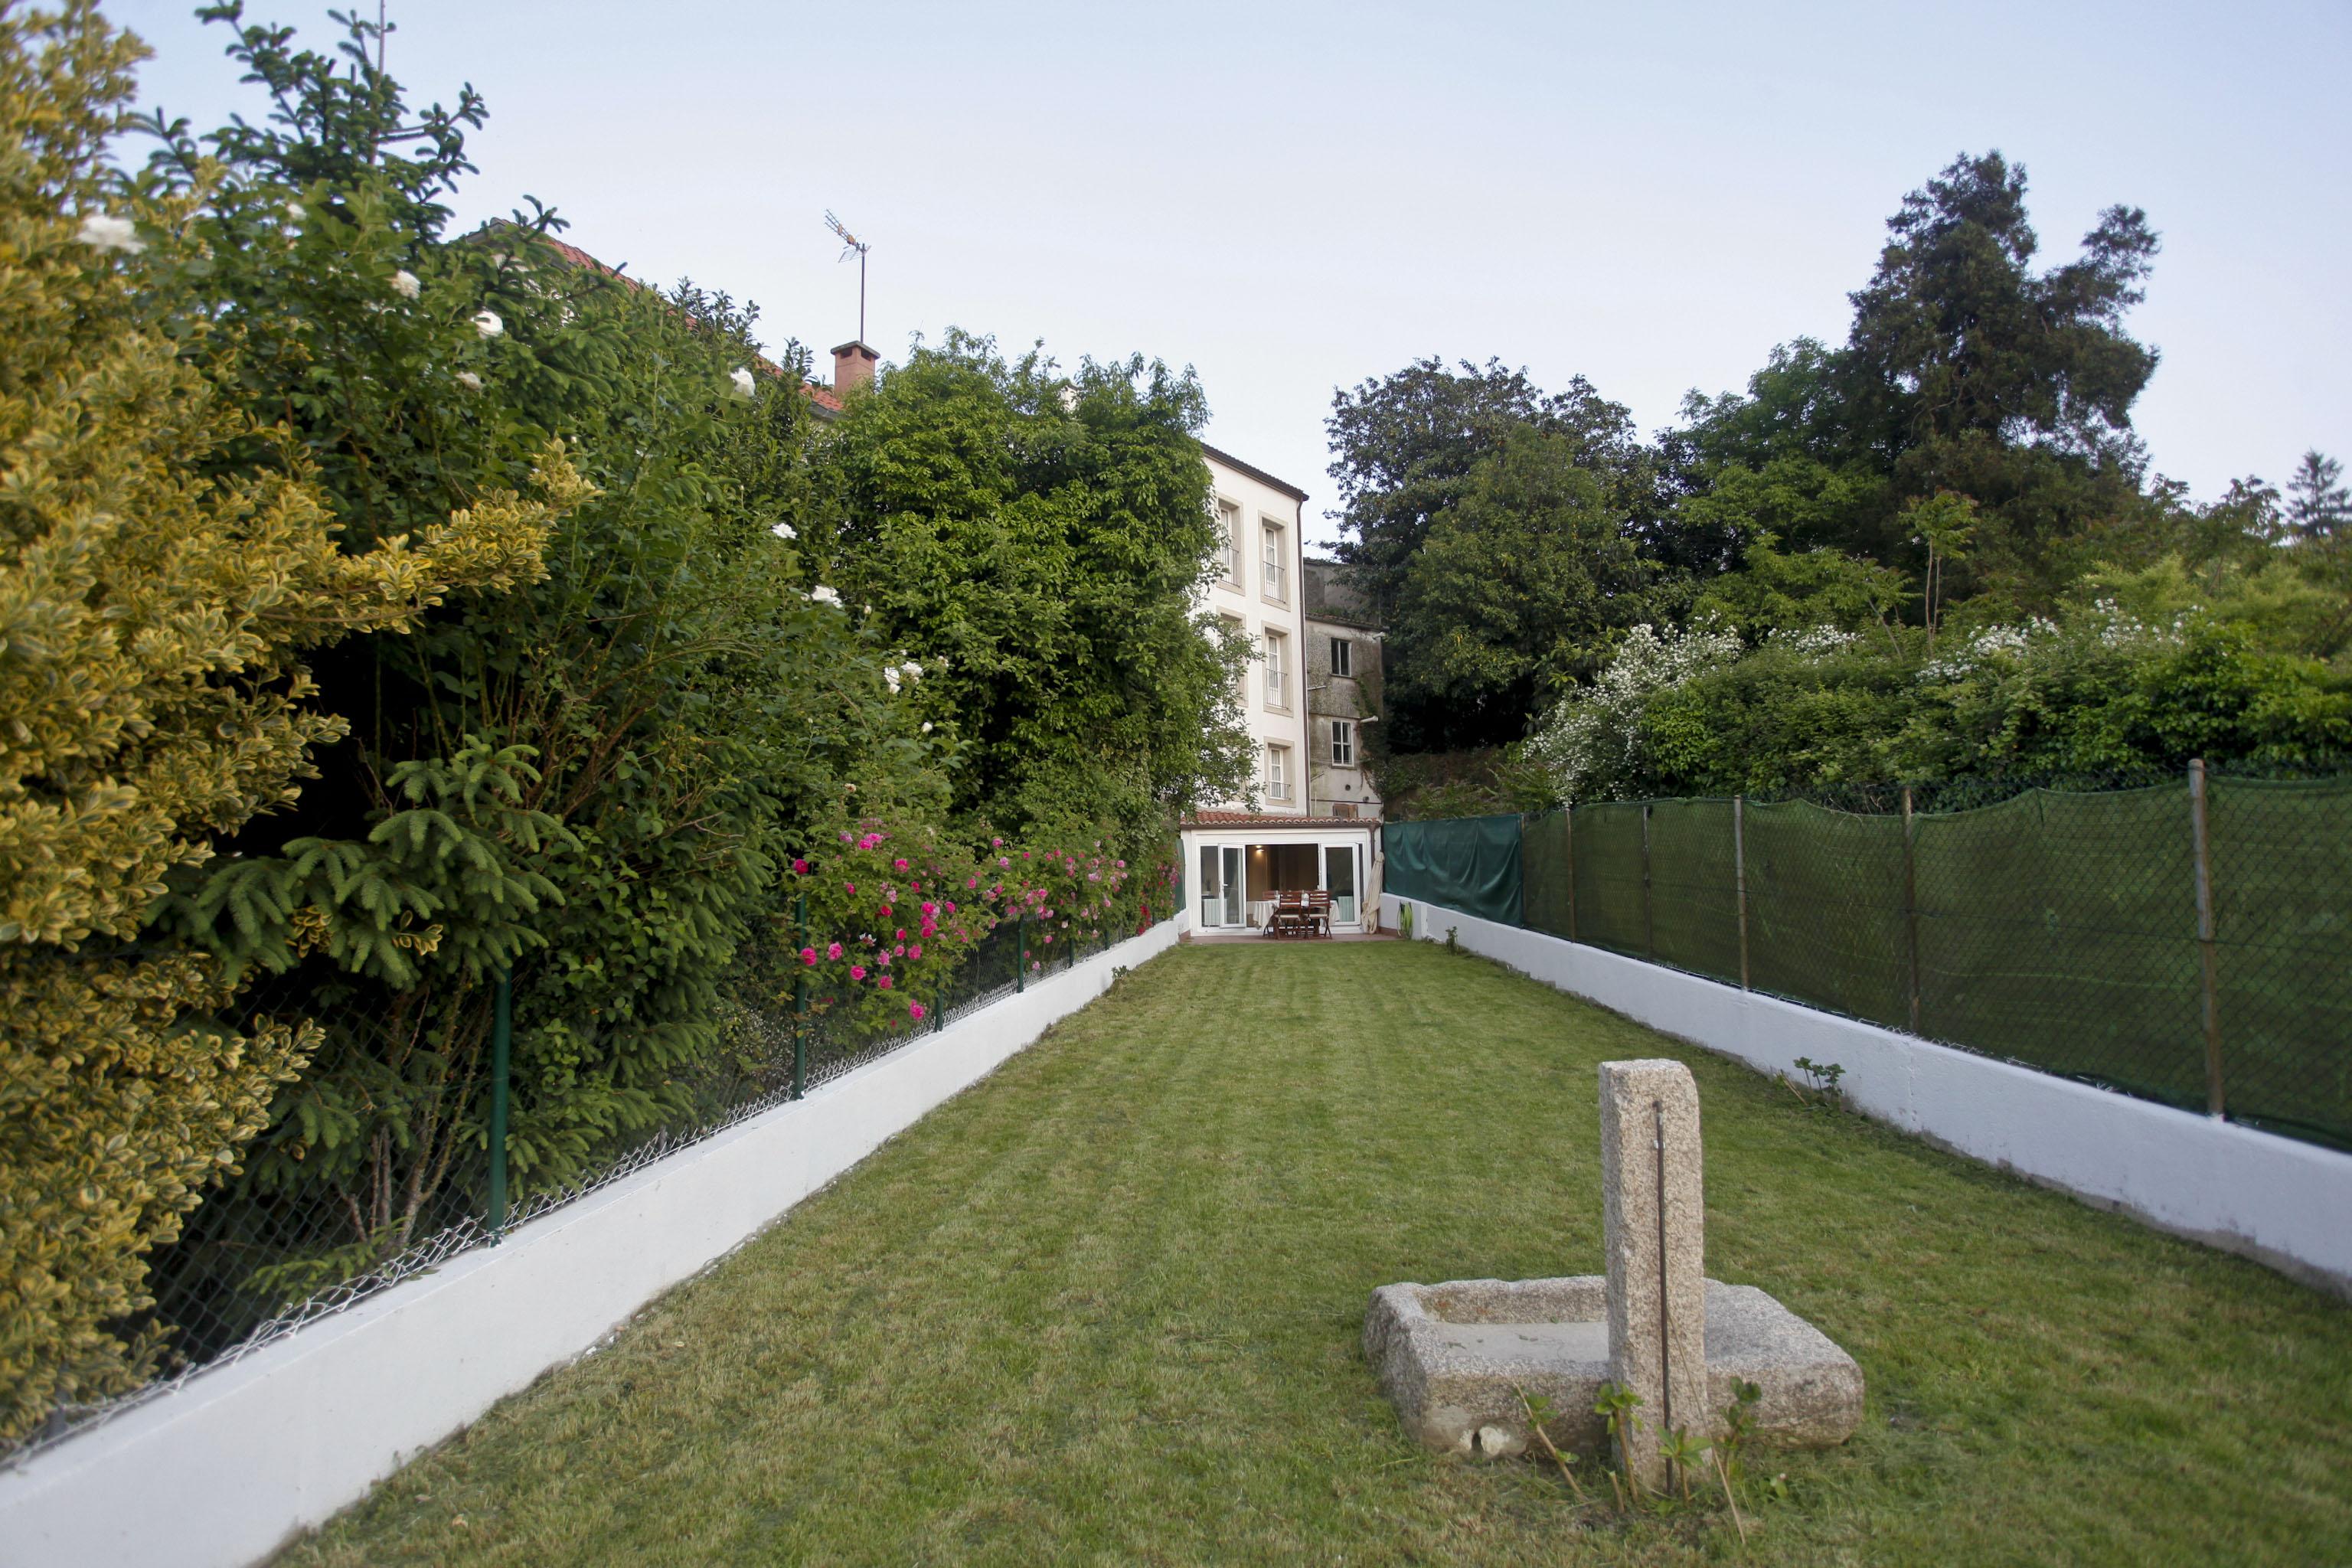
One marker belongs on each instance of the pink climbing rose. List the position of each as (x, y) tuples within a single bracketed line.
[(857, 972), (808, 955), (914, 1010), (799, 868), (884, 982), (832, 949)]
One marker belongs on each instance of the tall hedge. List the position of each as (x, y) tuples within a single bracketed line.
[(167, 565)]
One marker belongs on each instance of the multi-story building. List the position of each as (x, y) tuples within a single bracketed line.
[(1239, 854), (1343, 691)]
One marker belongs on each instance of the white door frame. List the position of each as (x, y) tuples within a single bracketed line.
[(1232, 869)]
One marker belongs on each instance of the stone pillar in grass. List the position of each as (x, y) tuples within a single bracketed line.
[(1653, 1239)]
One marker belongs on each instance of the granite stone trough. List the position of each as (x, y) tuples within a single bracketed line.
[(1454, 1357)]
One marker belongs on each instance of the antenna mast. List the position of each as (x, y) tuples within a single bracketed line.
[(852, 246)]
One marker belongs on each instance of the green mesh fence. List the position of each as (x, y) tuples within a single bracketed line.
[(2283, 953), (1610, 903), (1547, 891), (1694, 912), (2058, 928), (2061, 930)]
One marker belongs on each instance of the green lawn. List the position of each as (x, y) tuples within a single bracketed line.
[(1106, 1309)]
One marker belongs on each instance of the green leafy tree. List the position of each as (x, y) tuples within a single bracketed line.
[(1033, 542), (169, 570), (592, 783), (1519, 588), (1407, 449), (1967, 371), (2319, 504)]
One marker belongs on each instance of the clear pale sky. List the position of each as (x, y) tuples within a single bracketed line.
[(1292, 198)]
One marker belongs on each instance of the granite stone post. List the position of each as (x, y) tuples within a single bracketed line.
[(1654, 1241)]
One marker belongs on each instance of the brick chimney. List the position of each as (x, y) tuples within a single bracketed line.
[(853, 366)]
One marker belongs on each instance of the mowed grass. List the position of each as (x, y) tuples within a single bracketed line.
[(1106, 1307)]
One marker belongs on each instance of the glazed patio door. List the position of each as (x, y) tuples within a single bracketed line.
[(1221, 886), (1339, 881)]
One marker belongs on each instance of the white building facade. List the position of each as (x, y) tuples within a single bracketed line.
[(1240, 854)]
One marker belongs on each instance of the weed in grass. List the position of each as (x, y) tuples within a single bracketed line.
[(1823, 1078)]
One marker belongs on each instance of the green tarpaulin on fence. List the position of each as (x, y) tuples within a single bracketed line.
[(1467, 863)]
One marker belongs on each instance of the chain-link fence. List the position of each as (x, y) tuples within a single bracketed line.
[(258, 1259), (2189, 941)]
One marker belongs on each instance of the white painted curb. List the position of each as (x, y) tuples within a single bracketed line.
[(227, 1468), (2284, 1202)]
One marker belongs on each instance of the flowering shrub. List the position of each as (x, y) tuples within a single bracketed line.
[(1595, 735), (891, 912)]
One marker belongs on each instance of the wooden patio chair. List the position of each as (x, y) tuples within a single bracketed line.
[(1288, 917), (1318, 911)]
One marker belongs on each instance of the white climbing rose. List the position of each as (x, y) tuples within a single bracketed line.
[(404, 284), (742, 380), (784, 531), (488, 324), (469, 381), (108, 233), (823, 596)]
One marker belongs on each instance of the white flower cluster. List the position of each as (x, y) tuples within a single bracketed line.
[(742, 380), (105, 233), (2120, 628), (1599, 726), (784, 531), (404, 284), (1992, 644), (894, 674), (487, 323), (1815, 642)]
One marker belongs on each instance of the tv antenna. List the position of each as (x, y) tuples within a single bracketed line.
[(852, 246)]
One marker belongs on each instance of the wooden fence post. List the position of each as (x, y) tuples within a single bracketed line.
[(2202, 845), (1740, 876), (1911, 904)]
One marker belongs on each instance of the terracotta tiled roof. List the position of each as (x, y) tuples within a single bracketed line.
[(1263, 819)]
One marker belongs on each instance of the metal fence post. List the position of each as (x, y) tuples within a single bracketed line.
[(1911, 905), (1740, 876), (501, 1058), (799, 1009), (1649, 924), (2204, 859), (1020, 953), (1568, 838)]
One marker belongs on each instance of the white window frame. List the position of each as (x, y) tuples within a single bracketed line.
[(1277, 772), (1277, 675), (1277, 570), (1229, 529), (1343, 742), (1343, 657)]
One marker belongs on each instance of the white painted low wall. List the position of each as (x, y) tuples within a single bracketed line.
[(224, 1469), (2285, 1203)]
